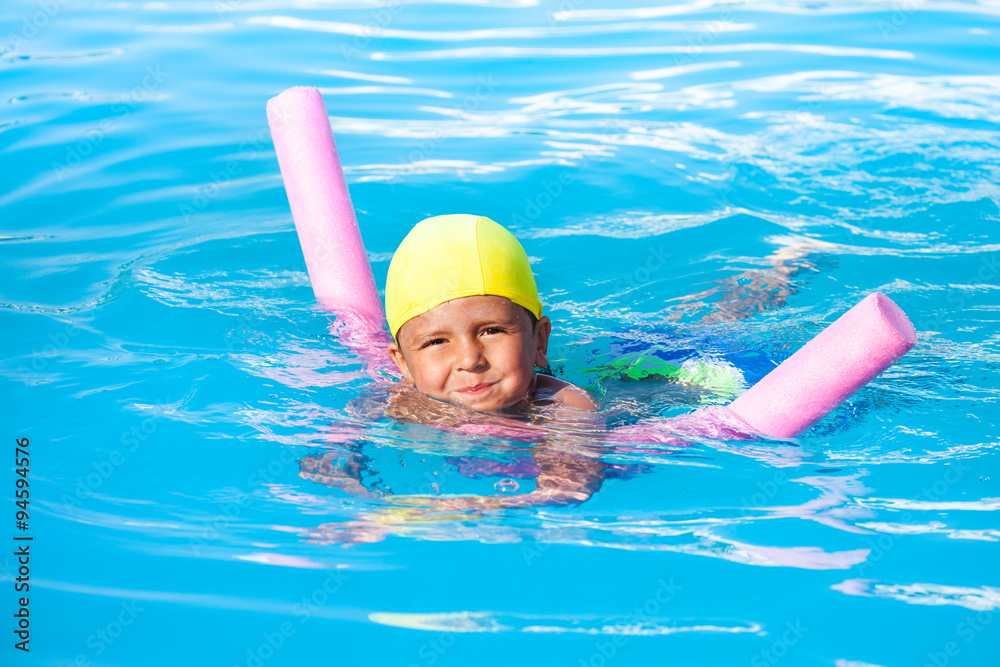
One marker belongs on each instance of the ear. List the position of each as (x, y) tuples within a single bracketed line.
[(542, 331), (397, 358)]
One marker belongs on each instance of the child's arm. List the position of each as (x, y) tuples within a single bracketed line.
[(570, 474), (566, 477), (752, 291), (339, 469)]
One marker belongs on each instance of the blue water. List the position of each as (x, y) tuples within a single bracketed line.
[(164, 354)]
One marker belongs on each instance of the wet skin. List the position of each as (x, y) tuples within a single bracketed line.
[(486, 364), (479, 352)]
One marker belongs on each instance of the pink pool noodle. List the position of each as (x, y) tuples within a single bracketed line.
[(336, 260), (841, 359), (794, 396)]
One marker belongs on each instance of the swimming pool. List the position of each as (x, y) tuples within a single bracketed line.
[(166, 359)]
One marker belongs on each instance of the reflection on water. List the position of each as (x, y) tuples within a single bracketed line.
[(700, 185), (375, 32), (638, 624)]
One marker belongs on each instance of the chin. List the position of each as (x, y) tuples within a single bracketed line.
[(487, 405), (478, 406)]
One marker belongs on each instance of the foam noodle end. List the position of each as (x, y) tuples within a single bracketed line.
[(336, 260), (827, 370)]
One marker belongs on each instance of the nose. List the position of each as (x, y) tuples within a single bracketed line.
[(471, 356)]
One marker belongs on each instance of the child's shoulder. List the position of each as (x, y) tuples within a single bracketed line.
[(559, 391)]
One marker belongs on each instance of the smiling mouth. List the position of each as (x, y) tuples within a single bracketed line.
[(476, 389)]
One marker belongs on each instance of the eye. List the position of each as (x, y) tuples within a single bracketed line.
[(494, 330), (432, 341)]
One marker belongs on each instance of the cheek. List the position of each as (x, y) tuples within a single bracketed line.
[(519, 358), (429, 372), (529, 349)]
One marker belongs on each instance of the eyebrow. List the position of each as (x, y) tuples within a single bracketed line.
[(430, 335), (437, 333)]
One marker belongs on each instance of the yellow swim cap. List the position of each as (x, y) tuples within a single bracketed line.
[(453, 256)]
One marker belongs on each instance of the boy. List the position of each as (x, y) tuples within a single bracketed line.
[(468, 332), (466, 321)]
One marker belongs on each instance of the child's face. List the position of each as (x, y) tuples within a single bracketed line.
[(478, 352)]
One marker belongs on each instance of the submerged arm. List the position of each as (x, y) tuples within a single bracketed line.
[(564, 479), (340, 469), (752, 291), (570, 466)]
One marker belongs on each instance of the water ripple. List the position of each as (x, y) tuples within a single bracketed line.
[(486, 621), (199, 28), (374, 32), (986, 598), (71, 56), (376, 78), (502, 52), (795, 7), (680, 70), (216, 6), (386, 90)]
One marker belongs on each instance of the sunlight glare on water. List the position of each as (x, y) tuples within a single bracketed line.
[(701, 187)]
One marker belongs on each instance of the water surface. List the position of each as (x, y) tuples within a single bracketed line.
[(165, 356)]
